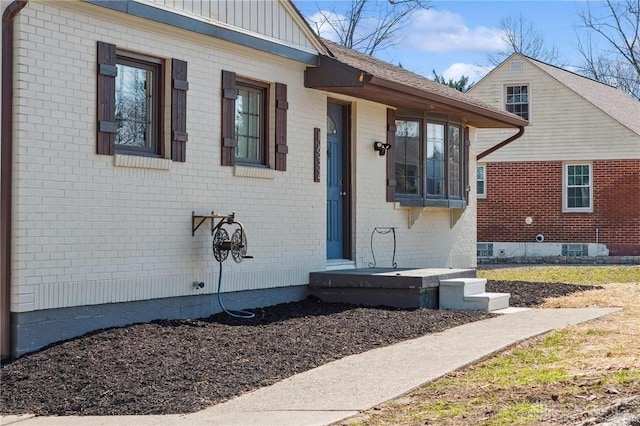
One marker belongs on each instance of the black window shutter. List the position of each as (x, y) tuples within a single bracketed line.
[(229, 95), (179, 89), (106, 94), (391, 156), (281, 126)]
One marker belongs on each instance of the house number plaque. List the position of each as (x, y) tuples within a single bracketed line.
[(316, 154)]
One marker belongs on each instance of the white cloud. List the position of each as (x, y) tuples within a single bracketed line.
[(323, 22), (442, 31), (457, 70)]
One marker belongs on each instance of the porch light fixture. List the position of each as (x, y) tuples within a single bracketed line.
[(381, 147)]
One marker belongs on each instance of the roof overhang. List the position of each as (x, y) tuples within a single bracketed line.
[(334, 76)]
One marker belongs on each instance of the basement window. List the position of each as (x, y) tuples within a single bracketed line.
[(575, 250), (484, 250)]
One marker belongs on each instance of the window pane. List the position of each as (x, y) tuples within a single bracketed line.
[(578, 186), (133, 106), (480, 180), (578, 198), (517, 101), (407, 155), (454, 159), (249, 116), (435, 159), (331, 126), (480, 187)]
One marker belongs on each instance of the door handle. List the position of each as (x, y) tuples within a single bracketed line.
[(343, 193)]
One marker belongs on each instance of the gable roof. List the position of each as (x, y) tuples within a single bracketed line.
[(613, 102), (353, 73)]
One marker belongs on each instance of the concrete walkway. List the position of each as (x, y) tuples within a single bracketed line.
[(347, 386)]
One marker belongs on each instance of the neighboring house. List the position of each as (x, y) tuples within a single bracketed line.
[(125, 124), (568, 187)]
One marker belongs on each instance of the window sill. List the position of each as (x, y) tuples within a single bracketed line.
[(415, 207), (426, 202), (255, 172), (141, 162), (578, 211)]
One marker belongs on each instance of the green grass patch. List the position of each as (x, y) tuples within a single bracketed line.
[(521, 367), (523, 376), (555, 340), (622, 377), (443, 409), (594, 332), (569, 274), (519, 413)]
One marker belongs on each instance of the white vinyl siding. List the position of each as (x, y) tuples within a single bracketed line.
[(564, 126)]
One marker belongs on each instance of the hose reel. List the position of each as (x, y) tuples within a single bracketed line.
[(223, 244)]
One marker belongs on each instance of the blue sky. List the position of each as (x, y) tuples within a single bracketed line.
[(454, 37)]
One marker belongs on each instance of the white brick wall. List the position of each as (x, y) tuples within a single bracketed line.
[(89, 232), (430, 242)]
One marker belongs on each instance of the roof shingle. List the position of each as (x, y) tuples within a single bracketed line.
[(614, 102), (386, 71)]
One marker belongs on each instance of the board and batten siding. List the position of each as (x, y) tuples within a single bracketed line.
[(562, 124), (273, 18)]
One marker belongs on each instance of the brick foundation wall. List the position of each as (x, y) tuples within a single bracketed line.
[(516, 190)]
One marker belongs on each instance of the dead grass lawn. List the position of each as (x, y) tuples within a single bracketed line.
[(581, 375)]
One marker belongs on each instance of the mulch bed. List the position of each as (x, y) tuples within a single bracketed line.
[(182, 366)]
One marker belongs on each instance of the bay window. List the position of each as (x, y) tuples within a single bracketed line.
[(430, 163)]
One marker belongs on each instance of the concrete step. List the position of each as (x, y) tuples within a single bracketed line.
[(465, 286), (468, 294), (488, 301)]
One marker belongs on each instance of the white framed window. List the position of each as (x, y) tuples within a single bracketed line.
[(481, 181), (577, 193), (517, 100)]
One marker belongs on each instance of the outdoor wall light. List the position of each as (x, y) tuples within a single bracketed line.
[(381, 147)]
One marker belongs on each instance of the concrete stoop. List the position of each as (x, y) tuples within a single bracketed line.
[(395, 287), (468, 294)]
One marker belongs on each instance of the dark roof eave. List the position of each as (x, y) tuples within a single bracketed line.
[(336, 76), (510, 120)]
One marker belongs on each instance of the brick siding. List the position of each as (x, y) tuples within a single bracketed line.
[(516, 190)]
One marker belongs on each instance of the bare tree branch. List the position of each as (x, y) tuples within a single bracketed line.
[(368, 25), (617, 24), (520, 36)]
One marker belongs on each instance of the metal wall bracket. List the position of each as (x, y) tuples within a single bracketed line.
[(199, 219)]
